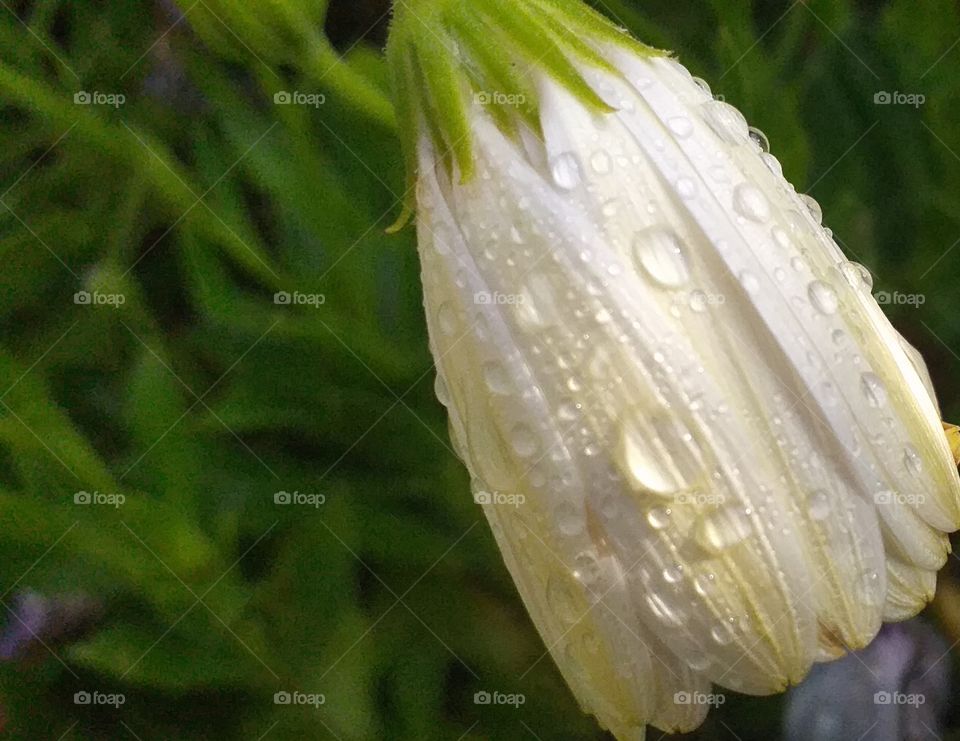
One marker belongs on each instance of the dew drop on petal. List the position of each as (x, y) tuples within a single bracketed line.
[(569, 519), (749, 202), (873, 389), (912, 460), (726, 121), (819, 505), (658, 252), (496, 378), (600, 162), (760, 139), (658, 517), (857, 275), (565, 170), (722, 529), (447, 318), (680, 126), (823, 297), (523, 441), (441, 390), (813, 207)]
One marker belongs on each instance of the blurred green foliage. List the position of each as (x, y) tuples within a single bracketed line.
[(199, 398)]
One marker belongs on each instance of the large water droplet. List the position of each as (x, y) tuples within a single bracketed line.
[(726, 121), (565, 170), (823, 297), (813, 207), (750, 203), (873, 389), (857, 275), (600, 162), (681, 126), (569, 518), (760, 139), (722, 529), (441, 390), (664, 612), (447, 318), (496, 378), (912, 460), (523, 441), (658, 517), (819, 505), (659, 253)]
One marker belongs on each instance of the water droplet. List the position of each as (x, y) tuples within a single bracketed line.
[(569, 519), (703, 85), (496, 378), (663, 612), (772, 163), (873, 389), (523, 441), (699, 302), (857, 275), (565, 170), (819, 505), (447, 318), (686, 188), (722, 634), (726, 121), (750, 203), (563, 598), (780, 237), (673, 574), (586, 567), (441, 390), (659, 253), (760, 139), (823, 297), (658, 517), (681, 126), (703, 584), (749, 282), (813, 207), (600, 162), (722, 529), (912, 460)]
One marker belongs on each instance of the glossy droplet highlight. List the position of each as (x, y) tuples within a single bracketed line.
[(750, 203), (823, 297), (873, 390), (565, 170), (659, 253)]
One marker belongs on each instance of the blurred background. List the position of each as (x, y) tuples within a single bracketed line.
[(229, 507)]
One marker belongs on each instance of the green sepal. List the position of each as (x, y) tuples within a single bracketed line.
[(445, 53)]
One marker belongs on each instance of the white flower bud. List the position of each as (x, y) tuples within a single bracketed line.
[(725, 463)]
